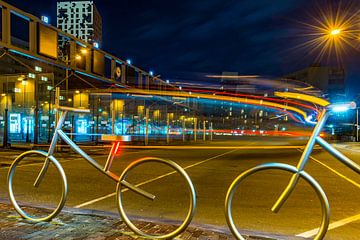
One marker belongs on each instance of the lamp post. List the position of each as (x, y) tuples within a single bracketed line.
[(357, 124), (78, 57)]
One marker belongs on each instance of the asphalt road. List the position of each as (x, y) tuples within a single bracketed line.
[(212, 171)]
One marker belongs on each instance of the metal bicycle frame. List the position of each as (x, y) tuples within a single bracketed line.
[(315, 138), (59, 133)]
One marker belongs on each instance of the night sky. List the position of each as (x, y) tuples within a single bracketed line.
[(185, 40)]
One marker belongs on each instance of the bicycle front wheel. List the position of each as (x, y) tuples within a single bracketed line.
[(325, 209), (49, 194), (163, 189)]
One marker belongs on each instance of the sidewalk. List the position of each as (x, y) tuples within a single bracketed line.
[(88, 224), (351, 146)]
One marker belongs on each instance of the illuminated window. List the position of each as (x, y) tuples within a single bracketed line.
[(31, 75)]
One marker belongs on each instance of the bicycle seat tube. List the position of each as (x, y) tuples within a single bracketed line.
[(302, 162)]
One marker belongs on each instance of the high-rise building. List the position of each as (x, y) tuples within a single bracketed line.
[(81, 19)]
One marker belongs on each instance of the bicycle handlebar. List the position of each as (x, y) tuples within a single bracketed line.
[(71, 109)]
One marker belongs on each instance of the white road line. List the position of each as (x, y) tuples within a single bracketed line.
[(333, 225), (334, 171), (41, 163), (339, 223), (149, 181), (246, 147)]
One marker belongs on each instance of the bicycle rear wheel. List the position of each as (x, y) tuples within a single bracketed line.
[(123, 185), (282, 167), (22, 175)]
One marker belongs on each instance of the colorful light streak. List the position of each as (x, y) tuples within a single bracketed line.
[(303, 97), (256, 102)]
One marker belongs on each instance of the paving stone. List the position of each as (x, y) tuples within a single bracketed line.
[(70, 225)]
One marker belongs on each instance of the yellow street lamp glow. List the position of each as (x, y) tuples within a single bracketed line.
[(78, 57), (335, 32), (84, 51)]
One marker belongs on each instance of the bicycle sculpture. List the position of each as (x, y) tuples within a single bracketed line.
[(121, 181), (298, 173)]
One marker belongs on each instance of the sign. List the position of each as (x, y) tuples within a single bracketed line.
[(15, 123), (117, 73)]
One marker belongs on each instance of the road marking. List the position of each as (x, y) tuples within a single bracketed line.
[(333, 225), (149, 181), (339, 223), (215, 147), (336, 172), (78, 158), (38, 164)]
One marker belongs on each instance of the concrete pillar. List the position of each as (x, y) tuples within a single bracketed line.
[(195, 129), (204, 130), (113, 116), (168, 128), (6, 128), (147, 126), (36, 113), (57, 103), (183, 129)]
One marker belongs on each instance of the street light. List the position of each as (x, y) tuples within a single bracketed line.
[(78, 57), (335, 32), (331, 31)]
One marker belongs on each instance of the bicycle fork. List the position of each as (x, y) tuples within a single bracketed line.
[(42, 173), (51, 150), (301, 165)]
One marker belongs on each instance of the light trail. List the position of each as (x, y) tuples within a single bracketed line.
[(256, 102), (255, 97)]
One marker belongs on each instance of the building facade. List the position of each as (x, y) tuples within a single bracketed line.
[(80, 19), (329, 80)]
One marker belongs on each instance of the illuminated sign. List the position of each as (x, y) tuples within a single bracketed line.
[(14, 123)]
